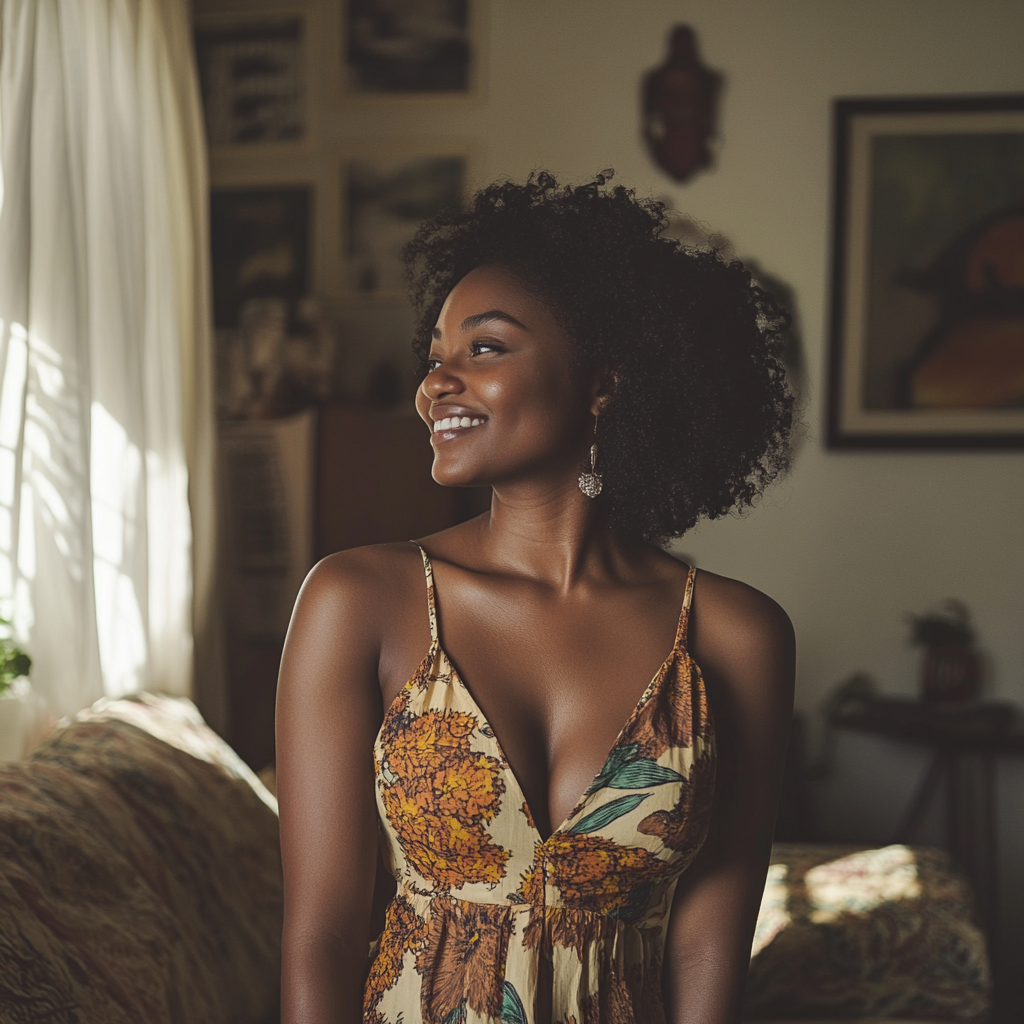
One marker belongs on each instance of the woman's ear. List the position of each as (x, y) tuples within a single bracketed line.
[(606, 383)]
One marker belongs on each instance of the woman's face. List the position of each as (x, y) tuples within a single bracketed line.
[(501, 397)]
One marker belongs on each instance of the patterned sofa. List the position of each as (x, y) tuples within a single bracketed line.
[(140, 881)]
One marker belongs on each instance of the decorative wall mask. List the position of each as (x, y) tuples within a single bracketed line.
[(680, 100)]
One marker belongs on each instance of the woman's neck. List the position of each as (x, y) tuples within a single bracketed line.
[(552, 533)]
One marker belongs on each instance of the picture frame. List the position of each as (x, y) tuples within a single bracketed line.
[(387, 191), (253, 74), (927, 304), (260, 245), (411, 49)]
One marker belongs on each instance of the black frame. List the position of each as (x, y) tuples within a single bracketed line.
[(845, 113)]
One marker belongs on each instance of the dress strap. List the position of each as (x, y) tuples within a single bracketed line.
[(683, 629), (428, 571)]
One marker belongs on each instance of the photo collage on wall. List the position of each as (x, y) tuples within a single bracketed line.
[(307, 226)]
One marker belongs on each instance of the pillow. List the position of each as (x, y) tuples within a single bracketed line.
[(140, 874), (848, 932)]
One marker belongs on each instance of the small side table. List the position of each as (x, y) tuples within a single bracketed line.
[(965, 740)]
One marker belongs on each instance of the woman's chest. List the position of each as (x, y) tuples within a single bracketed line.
[(556, 685)]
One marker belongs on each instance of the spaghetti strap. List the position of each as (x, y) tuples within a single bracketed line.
[(428, 571), (682, 630)]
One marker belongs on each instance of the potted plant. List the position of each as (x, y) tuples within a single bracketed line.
[(14, 693), (951, 669)]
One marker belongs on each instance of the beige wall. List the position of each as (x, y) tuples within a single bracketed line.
[(851, 541)]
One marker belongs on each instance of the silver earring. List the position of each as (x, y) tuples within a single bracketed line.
[(591, 483)]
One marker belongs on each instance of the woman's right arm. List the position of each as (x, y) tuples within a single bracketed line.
[(328, 713)]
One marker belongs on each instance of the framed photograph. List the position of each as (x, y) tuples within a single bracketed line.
[(259, 239), (409, 48), (386, 194), (928, 274), (252, 74)]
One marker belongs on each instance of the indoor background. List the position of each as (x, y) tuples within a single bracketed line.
[(852, 540)]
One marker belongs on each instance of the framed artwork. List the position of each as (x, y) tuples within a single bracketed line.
[(410, 48), (252, 74), (259, 241), (928, 274), (386, 193)]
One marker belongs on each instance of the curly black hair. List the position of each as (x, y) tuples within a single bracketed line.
[(699, 418)]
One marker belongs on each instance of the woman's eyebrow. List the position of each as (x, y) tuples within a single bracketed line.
[(478, 319)]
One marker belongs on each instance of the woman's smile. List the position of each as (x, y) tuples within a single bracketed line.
[(452, 421)]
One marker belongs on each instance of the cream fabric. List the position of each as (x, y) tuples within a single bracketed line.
[(105, 345)]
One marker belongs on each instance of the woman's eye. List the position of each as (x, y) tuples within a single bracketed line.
[(479, 347), (432, 365)]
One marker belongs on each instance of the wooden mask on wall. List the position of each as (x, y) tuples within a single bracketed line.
[(680, 100)]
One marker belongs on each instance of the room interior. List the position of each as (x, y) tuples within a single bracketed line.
[(851, 543)]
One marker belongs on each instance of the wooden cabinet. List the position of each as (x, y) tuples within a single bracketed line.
[(374, 483)]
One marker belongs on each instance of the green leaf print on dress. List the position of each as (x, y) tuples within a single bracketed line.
[(624, 770), (607, 814)]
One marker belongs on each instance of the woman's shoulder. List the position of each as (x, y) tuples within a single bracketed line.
[(360, 582), (737, 606), (740, 633)]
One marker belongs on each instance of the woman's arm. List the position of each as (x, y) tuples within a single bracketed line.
[(745, 646), (328, 712)]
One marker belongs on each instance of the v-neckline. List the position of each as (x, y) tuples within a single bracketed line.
[(642, 702), (437, 649)]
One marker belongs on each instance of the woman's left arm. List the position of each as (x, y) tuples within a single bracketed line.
[(744, 643)]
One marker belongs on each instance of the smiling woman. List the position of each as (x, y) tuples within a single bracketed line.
[(574, 826)]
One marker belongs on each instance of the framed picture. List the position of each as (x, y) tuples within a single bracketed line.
[(252, 74), (386, 194), (410, 48), (928, 274), (259, 239)]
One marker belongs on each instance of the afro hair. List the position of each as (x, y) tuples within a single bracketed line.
[(699, 416)]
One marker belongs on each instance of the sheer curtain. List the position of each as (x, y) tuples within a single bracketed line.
[(105, 407)]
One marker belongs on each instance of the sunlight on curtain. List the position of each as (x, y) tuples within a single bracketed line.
[(104, 345)]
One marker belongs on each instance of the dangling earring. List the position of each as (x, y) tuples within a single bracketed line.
[(591, 483)]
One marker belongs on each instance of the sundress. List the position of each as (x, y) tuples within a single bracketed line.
[(490, 921)]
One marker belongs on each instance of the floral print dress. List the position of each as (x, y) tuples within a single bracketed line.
[(493, 923)]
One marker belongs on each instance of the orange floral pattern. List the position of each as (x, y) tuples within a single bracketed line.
[(404, 932), (463, 960), (591, 872), (494, 924), (443, 793)]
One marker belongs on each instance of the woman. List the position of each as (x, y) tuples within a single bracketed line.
[(579, 825)]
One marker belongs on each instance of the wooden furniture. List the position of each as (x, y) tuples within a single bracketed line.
[(374, 483), (965, 740)]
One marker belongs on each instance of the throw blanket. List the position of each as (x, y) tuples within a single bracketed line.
[(140, 878)]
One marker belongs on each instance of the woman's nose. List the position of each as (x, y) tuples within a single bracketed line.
[(440, 382)]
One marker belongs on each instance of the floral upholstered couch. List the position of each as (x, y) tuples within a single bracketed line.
[(140, 881), (140, 875)]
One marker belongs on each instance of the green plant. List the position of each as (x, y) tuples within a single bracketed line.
[(14, 661), (950, 627)]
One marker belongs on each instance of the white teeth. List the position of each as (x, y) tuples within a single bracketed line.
[(456, 422)]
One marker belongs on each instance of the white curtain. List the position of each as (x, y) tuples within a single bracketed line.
[(105, 409)]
